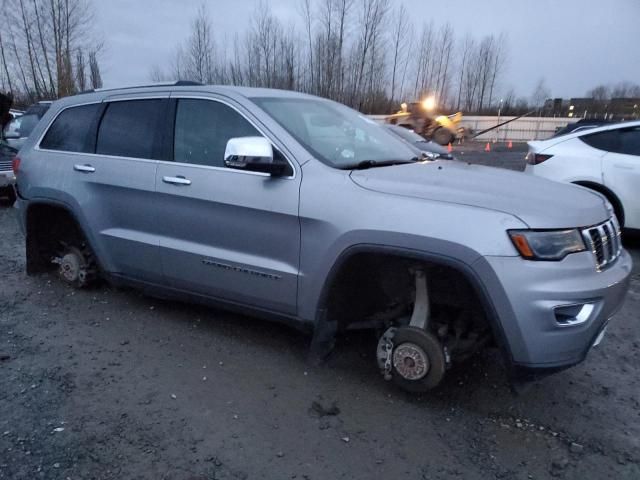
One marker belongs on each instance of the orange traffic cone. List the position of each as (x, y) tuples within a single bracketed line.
[(449, 148), (510, 144), (487, 147)]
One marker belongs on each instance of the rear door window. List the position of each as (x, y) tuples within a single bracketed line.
[(131, 128), (70, 130), (630, 141)]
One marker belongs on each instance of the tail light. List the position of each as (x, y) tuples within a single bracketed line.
[(536, 158), (15, 165)]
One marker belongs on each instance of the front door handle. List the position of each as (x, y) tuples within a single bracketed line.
[(84, 168), (179, 180)]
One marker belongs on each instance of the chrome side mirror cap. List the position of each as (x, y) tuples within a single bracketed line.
[(253, 154)]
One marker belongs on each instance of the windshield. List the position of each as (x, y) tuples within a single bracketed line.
[(408, 135), (335, 134), (27, 123)]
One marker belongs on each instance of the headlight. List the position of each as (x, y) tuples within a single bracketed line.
[(547, 245)]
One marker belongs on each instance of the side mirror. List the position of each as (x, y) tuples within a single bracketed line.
[(254, 154)]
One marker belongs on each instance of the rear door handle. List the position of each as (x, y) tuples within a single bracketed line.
[(624, 166), (84, 168), (179, 180)]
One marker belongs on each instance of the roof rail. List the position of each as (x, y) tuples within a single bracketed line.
[(175, 83)]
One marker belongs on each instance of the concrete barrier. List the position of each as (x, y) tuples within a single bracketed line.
[(521, 130)]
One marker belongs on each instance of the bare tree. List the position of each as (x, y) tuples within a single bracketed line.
[(540, 93), (498, 63), (372, 19), (94, 71), (81, 76), (466, 49), (400, 36), (307, 16), (5, 64), (600, 93), (40, 41), (354, 51), (199, 49)]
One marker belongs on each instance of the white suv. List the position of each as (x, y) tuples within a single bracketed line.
[(605, 159)]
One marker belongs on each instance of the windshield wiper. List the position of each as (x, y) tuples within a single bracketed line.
[(364, 164)]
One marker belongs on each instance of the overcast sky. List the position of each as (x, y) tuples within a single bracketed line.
[(573, 44)]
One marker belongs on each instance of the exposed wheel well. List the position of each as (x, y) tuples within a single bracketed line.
[(48, 225), (377, 290), (612, 197)]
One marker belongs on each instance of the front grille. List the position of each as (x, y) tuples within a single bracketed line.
[(5, 165), (604, 241)]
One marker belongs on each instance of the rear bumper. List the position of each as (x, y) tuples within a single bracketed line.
[(529, 295)]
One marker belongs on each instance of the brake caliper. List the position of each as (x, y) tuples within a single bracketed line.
[(385, 352)]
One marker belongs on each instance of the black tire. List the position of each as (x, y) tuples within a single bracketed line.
[(442, 136), (9, 196), (613, 199), (434, 352), (617, 209)]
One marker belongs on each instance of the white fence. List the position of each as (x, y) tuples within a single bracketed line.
[(521, 130)]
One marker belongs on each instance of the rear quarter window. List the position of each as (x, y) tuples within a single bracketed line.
[(608, 141), (70, 130)]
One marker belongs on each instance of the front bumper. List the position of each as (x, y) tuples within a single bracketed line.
[(530, 293), (7, 178)]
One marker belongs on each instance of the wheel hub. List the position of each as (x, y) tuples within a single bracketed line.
[(410, 361), (70, 266)]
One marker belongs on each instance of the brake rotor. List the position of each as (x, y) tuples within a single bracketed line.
[(73, 267), (70, 266)]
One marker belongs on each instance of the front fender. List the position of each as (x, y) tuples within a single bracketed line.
[(469, 263)]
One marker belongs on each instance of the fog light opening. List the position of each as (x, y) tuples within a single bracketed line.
[(575, 314)]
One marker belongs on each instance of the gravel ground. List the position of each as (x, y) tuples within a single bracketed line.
[(109, 384)]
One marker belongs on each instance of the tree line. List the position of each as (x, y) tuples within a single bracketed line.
[(368, 54), (47, 49)]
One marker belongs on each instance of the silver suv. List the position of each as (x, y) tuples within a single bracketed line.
[(297, 208)]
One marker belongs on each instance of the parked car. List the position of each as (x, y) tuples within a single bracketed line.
[(239, 197), (582, 124), (7, 178), (12, 130), (605, 159), (21, 127), (429, 149)]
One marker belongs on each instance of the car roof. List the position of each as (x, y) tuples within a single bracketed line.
[(549, 142), (603, 128), (98, 95)]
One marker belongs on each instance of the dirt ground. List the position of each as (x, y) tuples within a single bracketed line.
[(110, 384)]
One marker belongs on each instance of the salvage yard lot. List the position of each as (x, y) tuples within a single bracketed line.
[(109, 383)]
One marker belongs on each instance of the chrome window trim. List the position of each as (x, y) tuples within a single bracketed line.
[(104, 100), (179, 95), (165, 95)]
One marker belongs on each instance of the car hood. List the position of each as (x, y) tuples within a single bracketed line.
[(431, 147), (538, 202)]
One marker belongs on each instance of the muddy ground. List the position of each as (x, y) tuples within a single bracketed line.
[(109, 384)]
